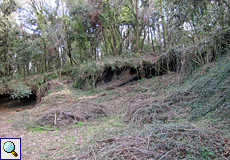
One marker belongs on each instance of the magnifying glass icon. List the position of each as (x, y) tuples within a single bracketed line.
[(9, 147)]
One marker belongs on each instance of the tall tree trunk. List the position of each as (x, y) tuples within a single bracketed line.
[(28, 69), (137, 26), (152, 40), (168, 25), (114, 46), (128, 43), (159, 33), (153, 47), (7, 55), (69, 53), (106, 46), (105, 41), (24, 71), (142, 44), (164, 33), (18, 68), (120, 39), (45, 64), (34, 68), (148, 34)]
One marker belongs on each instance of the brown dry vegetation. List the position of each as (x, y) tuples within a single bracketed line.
[(149, 119)]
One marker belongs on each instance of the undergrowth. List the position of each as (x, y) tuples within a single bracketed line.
[(196, 126), (167, 117), (206, 92)]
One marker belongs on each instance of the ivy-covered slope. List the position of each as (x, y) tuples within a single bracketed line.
[(206, 93)]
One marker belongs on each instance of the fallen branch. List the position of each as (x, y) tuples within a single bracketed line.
[(106, 140), (167, 153), (51, 149)]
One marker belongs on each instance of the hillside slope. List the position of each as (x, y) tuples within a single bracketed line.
[(164, 117)]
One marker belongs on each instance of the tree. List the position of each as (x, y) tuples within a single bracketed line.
[(46, 38), (7, 31)]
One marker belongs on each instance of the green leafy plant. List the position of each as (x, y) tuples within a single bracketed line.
[(142, 80), (21, 91)]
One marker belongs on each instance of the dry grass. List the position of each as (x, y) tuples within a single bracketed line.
[(146, 120)]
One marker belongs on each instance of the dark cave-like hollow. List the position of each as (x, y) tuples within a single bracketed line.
[(6, 102), (121, 76)]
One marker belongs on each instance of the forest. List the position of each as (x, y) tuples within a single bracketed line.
[(116, 79), (38, 36)]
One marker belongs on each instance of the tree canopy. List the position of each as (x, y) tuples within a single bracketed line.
[(37, 36)]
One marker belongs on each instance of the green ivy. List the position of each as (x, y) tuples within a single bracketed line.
[(21, 91)]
